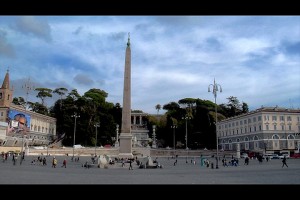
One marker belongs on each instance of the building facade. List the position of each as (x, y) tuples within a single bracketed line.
[(22, 127), (139, 130), (265, 130)]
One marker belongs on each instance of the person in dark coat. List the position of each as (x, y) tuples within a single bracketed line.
[(284, 162)]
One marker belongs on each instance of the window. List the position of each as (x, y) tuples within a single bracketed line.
[(245, 121), (236, 123), (281, 118), (276, 137), (266, 117), (260, 127), (274, 118), (267, 127), (275, 127), (259, 118), (241, 122), (289, 118), (282, 127), (298, 119), (290, 127), (249, 121), (1, 114), (254, 119)]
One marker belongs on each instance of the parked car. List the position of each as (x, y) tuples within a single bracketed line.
[(284, 155), (295, 155), (275, 156), (271, 156), (244, 155)]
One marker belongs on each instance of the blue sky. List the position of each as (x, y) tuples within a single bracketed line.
[(254, 58)]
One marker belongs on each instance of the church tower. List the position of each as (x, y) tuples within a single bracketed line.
[(6, 94), (125, 150)]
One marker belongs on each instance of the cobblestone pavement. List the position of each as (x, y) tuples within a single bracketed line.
[(184, 172)]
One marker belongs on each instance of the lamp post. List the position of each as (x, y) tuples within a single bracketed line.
[(75, 116), (186, 132), (96, 125), (173, 127), (27, 86), (21, 156), (215, 90)]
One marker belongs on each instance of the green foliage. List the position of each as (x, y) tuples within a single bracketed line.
[(93, 108), (43, 93)]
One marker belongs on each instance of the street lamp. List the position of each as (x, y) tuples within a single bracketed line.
[(96, 125), (28, 86), (186, 133), (21, 156), (215, 90), (173, 127), (75, 116)]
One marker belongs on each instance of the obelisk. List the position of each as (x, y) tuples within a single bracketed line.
[(125, 150)]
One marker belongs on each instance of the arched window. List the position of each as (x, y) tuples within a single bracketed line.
[(275, 137), (255, 138), (291, 137)]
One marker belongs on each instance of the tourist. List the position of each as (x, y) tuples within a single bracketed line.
[(284, 162)]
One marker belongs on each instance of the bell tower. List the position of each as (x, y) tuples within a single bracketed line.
[(6, 94)]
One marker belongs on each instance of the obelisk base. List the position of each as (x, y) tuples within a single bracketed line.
[(125, 149)]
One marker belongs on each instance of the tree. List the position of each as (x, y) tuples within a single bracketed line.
[(234, 106), (158, 107), (43, 93), (245, 107), (19, 101), (61, 92), (74, 94)]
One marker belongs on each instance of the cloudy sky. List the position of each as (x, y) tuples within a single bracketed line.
[(254, 58)]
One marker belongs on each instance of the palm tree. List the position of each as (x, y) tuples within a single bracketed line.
[(158, 107)]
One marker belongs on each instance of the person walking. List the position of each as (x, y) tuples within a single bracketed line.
[(54, 162), (284, 162), (64, 163), (130, 165)]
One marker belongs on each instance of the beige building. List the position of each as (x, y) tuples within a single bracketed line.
[(265, 130), (19, 126)]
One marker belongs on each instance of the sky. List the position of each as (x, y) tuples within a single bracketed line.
[(253, 58)]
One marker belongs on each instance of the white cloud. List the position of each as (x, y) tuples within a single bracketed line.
[(172, 58)]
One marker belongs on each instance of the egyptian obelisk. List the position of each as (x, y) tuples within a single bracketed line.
[(125, 150)]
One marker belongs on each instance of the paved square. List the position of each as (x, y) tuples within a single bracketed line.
[(183, 173)]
